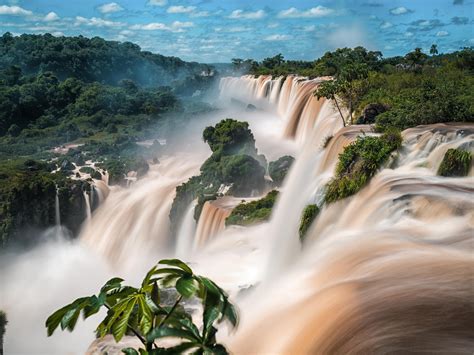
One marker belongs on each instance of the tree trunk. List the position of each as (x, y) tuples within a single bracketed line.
[(338, 108)]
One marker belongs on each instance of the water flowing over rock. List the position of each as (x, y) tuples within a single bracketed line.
[(387, 270)]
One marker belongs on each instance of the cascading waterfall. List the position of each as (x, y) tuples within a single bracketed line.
[(212, 219), (388, 270), (134, 221), (293, 98), (87, 204)]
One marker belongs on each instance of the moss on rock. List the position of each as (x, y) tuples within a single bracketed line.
[(455, 162), (359, 162), (247, 213), (309, 215)]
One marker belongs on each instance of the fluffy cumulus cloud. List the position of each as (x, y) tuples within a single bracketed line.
[(384, 25), (96, 22), (241, 14), (110, 8), (51, 16), (176, 26), (181, 9), (442, 34), (318, 11), (400, 11), (278, 38), (157, 2), (14, 11)]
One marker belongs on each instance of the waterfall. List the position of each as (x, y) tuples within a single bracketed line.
[(292, 99), (212, 219), (135, 221), (184, 241), (392, 261), (57, 211), (87, 205)]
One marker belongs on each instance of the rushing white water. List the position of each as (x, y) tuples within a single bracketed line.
[(57, 211), (87, 205), (389, 270)]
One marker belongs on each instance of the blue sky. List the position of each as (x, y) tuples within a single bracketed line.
[(216, 31)]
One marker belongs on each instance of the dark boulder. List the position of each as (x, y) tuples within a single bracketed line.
[(370, 112)]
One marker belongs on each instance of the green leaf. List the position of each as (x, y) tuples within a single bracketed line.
[(146, 280), (130, 351), (178, 263), (54, 320), (111, 284), (163, 332), (179, 349), (119, 327), (186, 286), (230, 313), (145, 315)]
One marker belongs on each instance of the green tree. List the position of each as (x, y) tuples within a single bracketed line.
[(141, 311), (434, 49), (416, 58)]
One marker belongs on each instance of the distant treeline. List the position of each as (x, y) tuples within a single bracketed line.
[(94, 59)]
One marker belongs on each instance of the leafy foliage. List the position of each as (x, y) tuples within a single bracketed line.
[(309, 215), (279, 168), (247, 213), (455, 162), (95, 60), (142, 312), (359, 162)]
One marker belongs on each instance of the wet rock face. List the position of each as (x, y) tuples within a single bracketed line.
[(370, 112)]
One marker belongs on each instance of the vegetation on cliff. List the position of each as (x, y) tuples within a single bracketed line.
[(247, 213), (456, 162), (310, 213), (27, 199), (156, 310), (279, 168), (359, 162), (414, 89), (234, 162)]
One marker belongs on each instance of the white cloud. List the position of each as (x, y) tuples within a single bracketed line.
[(52, 16), (273, 25), (384, 25), (442, 34), (58, 34), (349, 36), (157, 2), (277, 38), (110, 8), (180, 9), (241, 14), (399, 11), (409, 34), (310, 28), (200, 14), (176, 26), (14, 10), (318, 11), (96, 22)]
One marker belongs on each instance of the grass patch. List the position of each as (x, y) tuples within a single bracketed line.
[(307, 218), (359, 162), (456, 162), (253, 212)]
